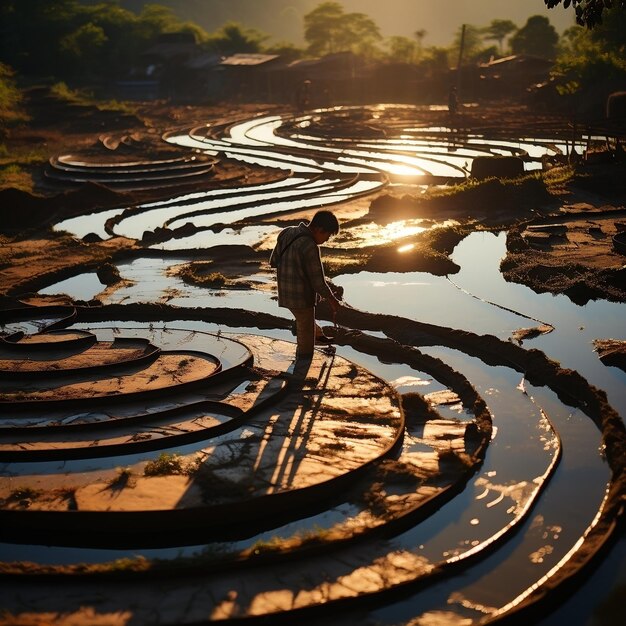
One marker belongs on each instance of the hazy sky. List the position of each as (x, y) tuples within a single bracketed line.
[(442, 18), (282, 19)]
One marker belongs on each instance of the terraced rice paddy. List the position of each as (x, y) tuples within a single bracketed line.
[(168, 468)]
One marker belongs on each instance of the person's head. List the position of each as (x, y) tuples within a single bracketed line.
[(323, 226)]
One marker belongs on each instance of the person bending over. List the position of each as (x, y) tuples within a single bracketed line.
[(300, 276)]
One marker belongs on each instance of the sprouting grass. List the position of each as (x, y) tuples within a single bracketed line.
[(137, 563), (472, 185), (196, 274), (117, 106), (22, 156), (312, 536), (14, 176), (86, 98), (558, 176), (214, 279), (263, 546), (63, 92), (167, 464)]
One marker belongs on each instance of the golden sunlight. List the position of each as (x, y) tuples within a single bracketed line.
[(400, 229), (400, 169), (406, 248)]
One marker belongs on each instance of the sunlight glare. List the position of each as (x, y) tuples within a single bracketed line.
[(402, 170), (400, 229)]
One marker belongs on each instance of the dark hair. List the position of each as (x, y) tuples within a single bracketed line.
[(325, 220)]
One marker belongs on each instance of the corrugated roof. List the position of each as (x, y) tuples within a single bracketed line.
[(516, 58), (248, 59)]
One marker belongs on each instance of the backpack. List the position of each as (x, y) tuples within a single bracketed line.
[(275, 259)]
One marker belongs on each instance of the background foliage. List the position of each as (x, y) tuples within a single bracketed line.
[(94, 43)]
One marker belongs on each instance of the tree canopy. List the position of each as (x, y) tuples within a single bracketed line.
[(403, 49), (589, 13), (328, 29), (66, 38), (537, 37), (593, 61), (499, 30), (232, 38)]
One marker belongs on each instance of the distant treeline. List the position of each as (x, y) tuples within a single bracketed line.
[(67, 39), (84, 43)]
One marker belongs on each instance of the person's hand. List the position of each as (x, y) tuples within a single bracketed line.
[(334, 307), (336, 290)]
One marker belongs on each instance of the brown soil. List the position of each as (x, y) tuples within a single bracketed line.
[(583, 265)]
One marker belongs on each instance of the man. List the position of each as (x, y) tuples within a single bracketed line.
[(300, 275), (453, 101)]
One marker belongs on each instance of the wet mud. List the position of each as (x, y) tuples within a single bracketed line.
[(575, 257)]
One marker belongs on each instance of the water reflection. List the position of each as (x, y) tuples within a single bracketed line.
[(522, 452), (415, 295), (85, 224), (510, 570), (435, 300), (82, 287)]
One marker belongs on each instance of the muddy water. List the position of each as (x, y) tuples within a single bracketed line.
[(553, 525), (478, 299), (526, 419)]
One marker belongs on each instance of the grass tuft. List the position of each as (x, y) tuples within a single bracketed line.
[(167, 464)]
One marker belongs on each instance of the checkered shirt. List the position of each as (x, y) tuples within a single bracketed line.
[(299, 270)]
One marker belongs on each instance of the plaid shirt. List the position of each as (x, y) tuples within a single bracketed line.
[(299, 270)]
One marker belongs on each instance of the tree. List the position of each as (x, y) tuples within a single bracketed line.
[(589, 13), (66, 38), (402, 49), (435, 61), (472, 43), (612, 31), (82, 47), (536, 37), (592, 63), (232, 38), (419, 35), (362, 34), (328, 29), (30, 32), (156, 18), (286, 50), (499, 30)]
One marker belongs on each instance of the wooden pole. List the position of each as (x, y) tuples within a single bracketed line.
[(460, 61)]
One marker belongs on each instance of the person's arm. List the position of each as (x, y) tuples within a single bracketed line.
[(314, 270)]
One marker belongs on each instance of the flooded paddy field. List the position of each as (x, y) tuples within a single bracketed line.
[(457, 457)]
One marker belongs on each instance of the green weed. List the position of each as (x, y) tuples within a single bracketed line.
[(167, 464), (15, 176)]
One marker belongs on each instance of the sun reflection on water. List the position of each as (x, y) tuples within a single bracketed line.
[(400, 229), (372, 234)]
